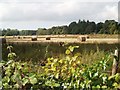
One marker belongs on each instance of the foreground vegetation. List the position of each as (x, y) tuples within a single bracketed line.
[(37, 52), (68, 72)]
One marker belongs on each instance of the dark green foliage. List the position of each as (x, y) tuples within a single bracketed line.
[(58, 30), (109, 27), (66, 73), (10, 32), (99, 26), (82, 27), (27, 32), (15, 32), (41, 31)]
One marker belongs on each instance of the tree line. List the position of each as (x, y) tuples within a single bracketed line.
[(80, 27)]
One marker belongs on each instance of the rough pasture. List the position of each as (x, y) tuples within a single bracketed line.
[(66, 38)]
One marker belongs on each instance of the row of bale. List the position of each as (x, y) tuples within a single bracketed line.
[(79, 38), (35, 38)]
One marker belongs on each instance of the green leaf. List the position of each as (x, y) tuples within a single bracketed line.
[(57, 75), (9, 47), (16, 86), (95, 74), (111, 77), (68, 58), (117, 77), (104, 79), (72, 70), (71, 48), (60, 61), (104, 86), (13, 65), (76, 46), (33, 79), (90, 73), (77, 54), (13, 77), (25, 81), (47, 83), (19, 66), (10, 61), (5, 85), (67, 52), (8, 72), (98, 86), (115, 84), (6, 79), (55, 60), (56, 84), (17, 75), (52, 84)]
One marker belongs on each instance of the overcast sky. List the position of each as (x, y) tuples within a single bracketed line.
[(33, 14)]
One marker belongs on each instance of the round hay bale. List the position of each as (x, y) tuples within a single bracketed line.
[(48, 38), (82, 39), (34, 38), (18, 37), (87, 37)]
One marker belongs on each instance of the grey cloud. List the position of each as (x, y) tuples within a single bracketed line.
[(56, 12), (28, 12)]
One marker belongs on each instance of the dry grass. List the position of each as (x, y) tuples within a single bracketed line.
[(103, 35), (93, 38)]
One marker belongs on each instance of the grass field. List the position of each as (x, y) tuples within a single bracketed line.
[(27, 49), (74, 36)]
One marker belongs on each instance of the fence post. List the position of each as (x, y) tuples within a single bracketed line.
[(115, 62)]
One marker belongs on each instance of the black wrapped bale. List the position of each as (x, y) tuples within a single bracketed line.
[(82, 39), (34, 38), (47, 38), (18, 37), (87, 37)]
